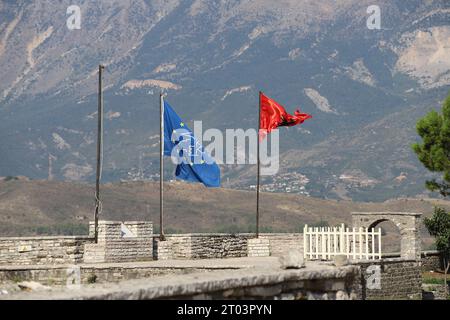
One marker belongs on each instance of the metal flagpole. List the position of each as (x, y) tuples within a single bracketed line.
[(99, 151), (258, 167), (161, 167)]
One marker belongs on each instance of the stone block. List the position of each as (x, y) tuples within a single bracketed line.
[(263, 291), (292, 259), (340, 260), (258, 247)]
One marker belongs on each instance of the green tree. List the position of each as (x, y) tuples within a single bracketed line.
[(434, 150), (439, 227)]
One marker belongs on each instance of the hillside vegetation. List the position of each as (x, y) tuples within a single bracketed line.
[(50, 207)]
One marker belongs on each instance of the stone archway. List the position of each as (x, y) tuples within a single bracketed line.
[(408, 223)]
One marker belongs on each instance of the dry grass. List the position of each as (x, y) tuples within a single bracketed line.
[(33, 207)]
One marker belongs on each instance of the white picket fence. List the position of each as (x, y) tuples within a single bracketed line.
[(323, 243)]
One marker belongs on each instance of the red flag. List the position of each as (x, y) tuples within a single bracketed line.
[(273, 115)]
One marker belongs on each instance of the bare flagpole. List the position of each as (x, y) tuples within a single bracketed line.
[(161, 167), (99, 150), (258, 167)]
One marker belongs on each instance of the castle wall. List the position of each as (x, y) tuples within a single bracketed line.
[(431, 261), (134, 241), (43, 250), (142, 245), (315, 283), (398, 279), (115, 244), (201, 246), (222, 245)]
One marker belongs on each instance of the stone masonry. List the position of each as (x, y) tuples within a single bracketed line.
[(120, 242), (258, 247), (134, 241), (407, 223), (42, 250), (432, 261), (140, 244), (280, 243), (264, 280), (398, 279), (221, 245), (200, 246)]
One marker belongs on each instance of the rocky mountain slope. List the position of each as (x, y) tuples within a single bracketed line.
[(365, 88)]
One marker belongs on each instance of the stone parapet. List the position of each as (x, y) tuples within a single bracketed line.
[(222, 245), (42, 250), (432, 261), (258, 247), (120, 242), (390, 279), (324, 283), (201, 246), (281, 243)]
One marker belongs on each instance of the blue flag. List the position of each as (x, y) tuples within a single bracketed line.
[(194, 164)]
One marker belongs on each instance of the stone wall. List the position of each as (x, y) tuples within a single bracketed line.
[(323, 283), (435, 291), (42, 250), (258, 247), (280, 243), (222, 245), (295, 285), (431, 261), (139, 245), (201, 246), (120, 242), (59, 275), (218, 246), (399, 279)]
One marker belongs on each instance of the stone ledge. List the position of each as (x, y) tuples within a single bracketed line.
[(193, 284), (430, 253), (383, 261), (399, 213), (229, 235), (110, 222), (46, 238)]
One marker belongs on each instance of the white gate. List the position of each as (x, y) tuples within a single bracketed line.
[(323, 243)]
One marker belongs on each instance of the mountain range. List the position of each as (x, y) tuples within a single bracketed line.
[(365, 87)]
